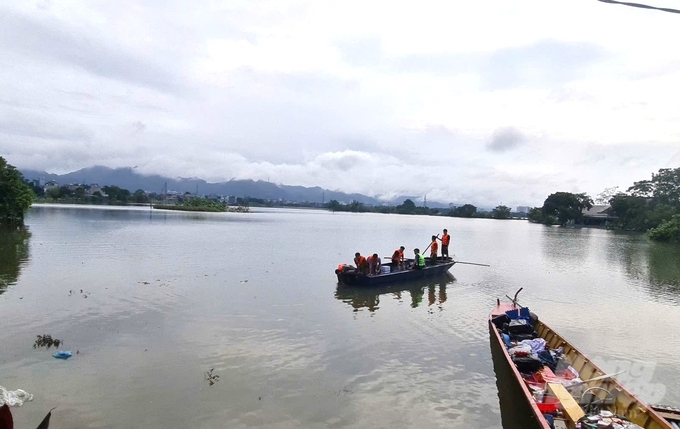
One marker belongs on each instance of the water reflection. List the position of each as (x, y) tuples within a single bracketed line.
[(515, 410), (664, 268), (13, 255), (369, 297)]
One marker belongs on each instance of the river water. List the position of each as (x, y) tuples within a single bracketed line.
[(148, 301)]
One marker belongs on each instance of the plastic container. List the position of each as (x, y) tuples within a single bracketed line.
[(549, 405), (385, 269)]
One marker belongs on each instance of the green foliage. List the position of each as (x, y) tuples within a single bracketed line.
[(549, 220), (664, 188), (466, 210), (15, 196), (204, 204), (117, 194), (536, 215), (140, 197), (566, 206), (631, 211), (408, 207), (501, 212), (650, 205), (667, 231)]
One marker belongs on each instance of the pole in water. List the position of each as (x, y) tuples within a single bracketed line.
[(473, 263)]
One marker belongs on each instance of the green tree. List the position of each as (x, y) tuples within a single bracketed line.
[(466, 210), (630, 211), (333, 205), (664, 188), (140, 196), (53, 193), (667, 231), (79, 192), (536, 215), (15, 196), (566, 206), (408, 207), (501, 212)]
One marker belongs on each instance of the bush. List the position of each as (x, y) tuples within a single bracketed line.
[(667, 231)]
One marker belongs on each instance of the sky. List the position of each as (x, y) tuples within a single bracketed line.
[(485, 102)]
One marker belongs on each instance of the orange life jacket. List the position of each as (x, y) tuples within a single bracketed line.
[(373, 260), (435, 247), (360, 261), (397, 256), (446, 239)]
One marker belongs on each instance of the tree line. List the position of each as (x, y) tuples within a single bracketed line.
[(410, 208), (651, 206)]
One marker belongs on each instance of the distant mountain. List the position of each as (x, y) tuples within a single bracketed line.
[(129, 179)]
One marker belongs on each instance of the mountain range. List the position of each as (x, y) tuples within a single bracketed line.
[(128, 178)]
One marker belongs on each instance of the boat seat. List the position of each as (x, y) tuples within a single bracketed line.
[(572, 410)]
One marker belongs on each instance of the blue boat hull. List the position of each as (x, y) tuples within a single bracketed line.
[(353, 278)]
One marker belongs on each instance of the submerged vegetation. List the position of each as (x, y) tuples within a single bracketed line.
[(198, 204)]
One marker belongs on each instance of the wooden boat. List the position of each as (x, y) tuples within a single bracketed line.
[(348, 275), (671, 414), (564, 402)]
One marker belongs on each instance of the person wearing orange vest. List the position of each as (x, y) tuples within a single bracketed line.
[(446, 239), (361, 262), (374, 264), (398, 258), (434, 247)]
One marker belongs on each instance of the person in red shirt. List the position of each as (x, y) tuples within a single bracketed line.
[(361, 262)]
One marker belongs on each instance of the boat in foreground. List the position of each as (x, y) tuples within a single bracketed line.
[(348, 275), (560, 385)]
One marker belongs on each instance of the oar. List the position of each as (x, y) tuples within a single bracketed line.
[(428, 246), (472, 263)]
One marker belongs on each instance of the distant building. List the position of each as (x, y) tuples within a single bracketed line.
[(523, 209), (598, 215)]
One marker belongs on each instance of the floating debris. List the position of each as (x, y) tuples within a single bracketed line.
[(212, 379), (47, 341), (62, 355)]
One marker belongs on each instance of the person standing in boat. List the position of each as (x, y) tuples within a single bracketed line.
[(361, 262), (446, 239), (398, 258), (434, 248), (374, 264), (419, 260)]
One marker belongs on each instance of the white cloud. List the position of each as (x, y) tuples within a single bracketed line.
[(370, 97)]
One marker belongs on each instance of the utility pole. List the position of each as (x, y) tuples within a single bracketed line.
[(425, 203)]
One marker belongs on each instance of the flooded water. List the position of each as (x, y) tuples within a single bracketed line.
[(150, 301)]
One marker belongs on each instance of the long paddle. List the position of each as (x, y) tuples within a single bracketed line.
[(472, 263)]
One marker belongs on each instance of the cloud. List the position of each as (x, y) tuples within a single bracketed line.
[(53, 40), (504, 139), (357, 96)]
